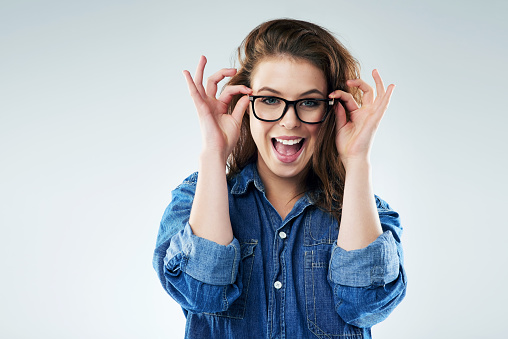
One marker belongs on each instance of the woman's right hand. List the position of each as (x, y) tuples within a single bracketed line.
[(220, 130)]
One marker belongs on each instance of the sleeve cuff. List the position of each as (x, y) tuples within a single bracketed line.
[(376, 264), (203, 259)]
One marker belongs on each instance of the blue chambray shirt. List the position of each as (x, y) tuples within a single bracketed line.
[(277, 278)]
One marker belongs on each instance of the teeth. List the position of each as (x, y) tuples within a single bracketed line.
[(289, 142)]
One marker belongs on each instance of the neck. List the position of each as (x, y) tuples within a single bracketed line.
[(280, 191)]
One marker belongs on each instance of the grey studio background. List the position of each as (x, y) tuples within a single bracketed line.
[(97, 128)]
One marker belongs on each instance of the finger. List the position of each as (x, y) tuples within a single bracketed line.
[(380, 87), (346, 99), (230, 91), (340, 111), (368, 92), (198, 76), (240, 108), (383, 105), (211, 83), (193, 90), (385, 100)]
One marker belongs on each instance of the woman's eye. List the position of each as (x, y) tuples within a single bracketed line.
[(270, 101), (309, 103)]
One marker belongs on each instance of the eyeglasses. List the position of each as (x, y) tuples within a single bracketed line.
[(309, 111)]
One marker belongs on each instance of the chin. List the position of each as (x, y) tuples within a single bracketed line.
[(288, 170)]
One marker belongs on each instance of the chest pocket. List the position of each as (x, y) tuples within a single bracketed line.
[(319, 229), (237, 309)]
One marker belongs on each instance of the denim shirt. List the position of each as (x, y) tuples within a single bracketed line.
[(277, 278)]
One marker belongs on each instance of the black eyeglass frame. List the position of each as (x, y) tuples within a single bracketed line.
[(330, 102)]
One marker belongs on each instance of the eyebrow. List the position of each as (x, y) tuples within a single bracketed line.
[(312, 91)]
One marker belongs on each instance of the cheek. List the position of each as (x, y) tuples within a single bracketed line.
[(314, 131), (256, 130)]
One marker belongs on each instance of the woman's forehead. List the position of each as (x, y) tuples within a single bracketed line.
[(288, 76)]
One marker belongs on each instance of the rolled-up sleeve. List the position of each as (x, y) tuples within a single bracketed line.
[(376, 264), (202, 259)]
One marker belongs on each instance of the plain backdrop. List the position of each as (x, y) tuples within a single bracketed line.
[(97, 128)]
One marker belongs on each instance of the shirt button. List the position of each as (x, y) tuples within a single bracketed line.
[(277, 285), (282, 235)]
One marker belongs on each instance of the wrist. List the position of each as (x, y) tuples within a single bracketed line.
[(356, 164), (210, 157)]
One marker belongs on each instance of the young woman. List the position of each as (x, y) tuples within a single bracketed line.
[(291, 242)]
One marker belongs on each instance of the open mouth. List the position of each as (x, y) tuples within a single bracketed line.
[(288, 147)]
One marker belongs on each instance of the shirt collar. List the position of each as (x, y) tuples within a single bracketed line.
[(245, 177), (250, 174)]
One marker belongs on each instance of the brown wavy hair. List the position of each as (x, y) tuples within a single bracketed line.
[(300, 40)]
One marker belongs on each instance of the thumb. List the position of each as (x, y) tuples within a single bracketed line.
[(341, 116)]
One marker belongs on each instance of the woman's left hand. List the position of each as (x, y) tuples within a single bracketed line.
[(354, 137)]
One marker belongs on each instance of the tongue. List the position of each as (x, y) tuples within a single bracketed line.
[(287, 149)]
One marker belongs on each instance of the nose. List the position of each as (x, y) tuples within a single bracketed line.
[(290, 120)]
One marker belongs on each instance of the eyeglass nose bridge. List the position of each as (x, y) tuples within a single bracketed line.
[(286, 108)]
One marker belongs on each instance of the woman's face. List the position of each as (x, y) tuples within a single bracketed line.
[(285, 146)]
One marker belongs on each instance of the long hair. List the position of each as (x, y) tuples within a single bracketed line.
[(300, 40)]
